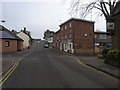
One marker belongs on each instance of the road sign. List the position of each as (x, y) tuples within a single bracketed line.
[(110, 26)]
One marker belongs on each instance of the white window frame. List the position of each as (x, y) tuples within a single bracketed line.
[(7, 43), (65, 36), (61, 28), (70, 25), (95, 36), (65, 26), (70, 35)]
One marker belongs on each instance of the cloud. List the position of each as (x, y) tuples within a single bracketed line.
[(30, 0)]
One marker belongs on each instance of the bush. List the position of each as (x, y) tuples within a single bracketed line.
[(105, 52), (113, 55), (113, 58)]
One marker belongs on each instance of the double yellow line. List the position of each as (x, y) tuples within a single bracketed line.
[(6, 75)]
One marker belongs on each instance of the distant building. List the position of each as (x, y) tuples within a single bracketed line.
[(75, 36), (102, 41), (56, 40), (36, 40), (48, 36), (24, 34), (9, 41)]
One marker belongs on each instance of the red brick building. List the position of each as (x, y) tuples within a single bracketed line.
[(102, 41), (9, 42), (75, 36), (56, 40)]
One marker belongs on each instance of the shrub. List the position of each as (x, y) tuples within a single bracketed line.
[(105, 52), (113, 58), (113, 55)]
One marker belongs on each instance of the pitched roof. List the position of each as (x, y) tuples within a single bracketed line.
[(26, 33), (6, 34), (77, 19)]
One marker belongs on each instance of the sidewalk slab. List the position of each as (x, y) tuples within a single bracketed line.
[(99, 64), (96, 63)]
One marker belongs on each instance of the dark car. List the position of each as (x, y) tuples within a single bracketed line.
[(46, 46)]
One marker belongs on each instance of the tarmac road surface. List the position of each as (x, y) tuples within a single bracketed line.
[(50, 68)]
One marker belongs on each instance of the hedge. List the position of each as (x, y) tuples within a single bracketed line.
[(113, 58), (105, 52)]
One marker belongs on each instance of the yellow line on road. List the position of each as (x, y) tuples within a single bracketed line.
[(8, 74), (105, 74)]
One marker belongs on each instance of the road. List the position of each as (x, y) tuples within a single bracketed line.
[(50, 68)]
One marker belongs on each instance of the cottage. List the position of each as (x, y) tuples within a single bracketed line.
[(8, 41), (23, 34)]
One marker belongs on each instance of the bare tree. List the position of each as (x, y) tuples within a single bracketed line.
[(105, 6)]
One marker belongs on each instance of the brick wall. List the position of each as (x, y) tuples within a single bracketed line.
[(11, 48), (98, 40), (116, 36), (20, 45), (83, 37)]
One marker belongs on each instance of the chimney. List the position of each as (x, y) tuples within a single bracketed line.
[(13, 32), (24, 28)]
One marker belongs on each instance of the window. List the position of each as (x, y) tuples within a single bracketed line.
[(103, 36), (65, 27), (70, 35), (7, 43), (95, 36), (62, 29), (70, 25), (65, 36)]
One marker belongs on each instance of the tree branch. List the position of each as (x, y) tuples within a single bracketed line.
[(105, 9)]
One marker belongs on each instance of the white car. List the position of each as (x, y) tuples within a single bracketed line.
[(46, 46)]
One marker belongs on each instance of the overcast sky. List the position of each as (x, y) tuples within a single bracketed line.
[(39, 15)]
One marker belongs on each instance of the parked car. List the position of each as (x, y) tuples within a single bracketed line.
[(46, 46)]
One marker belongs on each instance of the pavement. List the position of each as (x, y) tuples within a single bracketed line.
[(99, 64)]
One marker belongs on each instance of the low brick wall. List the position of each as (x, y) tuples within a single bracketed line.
[(84, 51)]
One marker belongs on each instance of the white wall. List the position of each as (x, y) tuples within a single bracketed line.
[(26, 39)]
